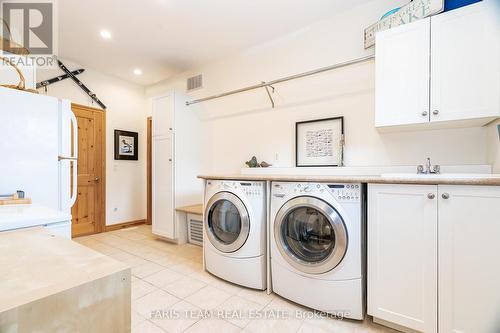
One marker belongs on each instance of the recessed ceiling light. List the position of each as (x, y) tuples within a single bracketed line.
[(105, 34), (137, 71)]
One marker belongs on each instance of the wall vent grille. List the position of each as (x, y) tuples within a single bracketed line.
[(195, 82), (195, 229)]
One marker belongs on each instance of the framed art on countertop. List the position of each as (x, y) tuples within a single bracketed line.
[(319, 143), (126, 145)]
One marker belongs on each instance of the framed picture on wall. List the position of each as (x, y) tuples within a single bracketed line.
[(319, 143), (126, 145)]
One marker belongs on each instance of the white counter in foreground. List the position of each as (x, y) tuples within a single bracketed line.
[(52, 284)]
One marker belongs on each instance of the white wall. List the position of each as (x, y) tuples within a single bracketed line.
[(243, 125), (126, 110)]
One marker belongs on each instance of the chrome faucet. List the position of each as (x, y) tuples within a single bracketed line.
[(429, 168)]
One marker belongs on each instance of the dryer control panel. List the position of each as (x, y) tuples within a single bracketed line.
[(249, 188), (345, 192)]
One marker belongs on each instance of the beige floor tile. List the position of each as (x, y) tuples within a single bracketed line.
[(187, 267), (136, 318), (146, 269), (213, 326), (184, 287), (147, 327), (257, 296), (208, 298), (130, 234), (140, 288), (163, 277), (278, 316), (157, 300), (239, 311), (203, 276), (179, 317)]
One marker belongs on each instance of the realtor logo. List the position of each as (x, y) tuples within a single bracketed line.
[(28, 28)]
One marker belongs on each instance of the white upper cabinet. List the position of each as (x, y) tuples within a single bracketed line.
[(443, 70), (402, 75), (469, 267), (465, 65)]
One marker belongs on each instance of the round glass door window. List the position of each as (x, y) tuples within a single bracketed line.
[(227, 222), (310, 235), (224, 221)]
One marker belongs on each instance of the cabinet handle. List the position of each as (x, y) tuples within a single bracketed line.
[(435, 112), (170, 160), (424, 113), (431, 196), (445, 196)]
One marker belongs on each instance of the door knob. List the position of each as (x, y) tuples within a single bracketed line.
[(96, 179), (445, 196), (425, 113), (435, 112), (431, 196)]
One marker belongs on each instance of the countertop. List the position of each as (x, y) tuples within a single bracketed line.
[(492, 180), (193, 209), (29, 215), (35, 264)]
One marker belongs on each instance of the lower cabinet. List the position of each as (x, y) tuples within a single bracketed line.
[(402, 255), (469, 259), (433, 261)]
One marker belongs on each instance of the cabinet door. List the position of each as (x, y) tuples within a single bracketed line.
[(465, 64), (469, 267), (402, 255), (163, 188), (402, 75), (163, 116)]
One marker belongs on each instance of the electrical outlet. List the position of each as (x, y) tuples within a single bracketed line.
[(276, 156)]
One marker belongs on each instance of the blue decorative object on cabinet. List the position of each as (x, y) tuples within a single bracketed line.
[(454, 4), (498, 127), (392, 11)]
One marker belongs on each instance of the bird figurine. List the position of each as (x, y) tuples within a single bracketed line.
[(264, 164), (252, 163)]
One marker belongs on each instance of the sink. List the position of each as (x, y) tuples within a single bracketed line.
[(441, 175)]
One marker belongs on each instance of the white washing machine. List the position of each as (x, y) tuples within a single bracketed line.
[(234, 225), (317, 246)]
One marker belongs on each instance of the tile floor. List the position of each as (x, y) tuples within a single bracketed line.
[(171, 293)]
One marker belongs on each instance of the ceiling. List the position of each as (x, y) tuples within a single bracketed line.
[(165, 37)]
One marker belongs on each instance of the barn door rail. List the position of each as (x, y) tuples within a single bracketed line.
[(267, 84)]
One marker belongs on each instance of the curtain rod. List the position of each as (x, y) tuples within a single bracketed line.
[(284, 79)]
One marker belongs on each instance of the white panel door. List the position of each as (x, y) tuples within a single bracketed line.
[(163, 188), (465, 64), (402, 75), (163, 116), (402, 255), (469, 266)]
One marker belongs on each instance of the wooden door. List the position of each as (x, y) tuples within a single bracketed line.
[(469, 268), (465, 66), (89, 210), (402, 255), (402, 75)]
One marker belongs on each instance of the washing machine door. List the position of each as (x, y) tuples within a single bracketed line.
[(227, 223), (310, 235)]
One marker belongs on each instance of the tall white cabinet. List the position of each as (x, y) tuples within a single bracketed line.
[(176, 163), (433, 257), (442, 71)]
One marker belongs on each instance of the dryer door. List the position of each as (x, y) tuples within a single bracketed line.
[(227, 223), (310, 234)]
